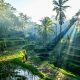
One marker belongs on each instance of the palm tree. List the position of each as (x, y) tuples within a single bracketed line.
[(46, 22), (23, 20), (60, 8)]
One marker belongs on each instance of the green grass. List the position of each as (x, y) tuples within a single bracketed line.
[(31, 68), (9, 55), (69, 74), (15, 57), (63, 71)]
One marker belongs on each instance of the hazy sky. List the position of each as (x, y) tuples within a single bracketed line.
[(41, 8)]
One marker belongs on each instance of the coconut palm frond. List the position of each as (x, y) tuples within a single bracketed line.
[(64, 1), (55, 2), (57, 15), (65, 7), (60, 8), (60, 2), (55, 8)]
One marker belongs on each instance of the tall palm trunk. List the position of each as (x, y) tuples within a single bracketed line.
[(45, 35), (60, 28), (60, 17)]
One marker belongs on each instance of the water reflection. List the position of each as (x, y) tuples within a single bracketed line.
[(13, 72), (26, 74)]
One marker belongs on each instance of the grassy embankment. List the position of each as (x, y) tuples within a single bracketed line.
[(16, 57)]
